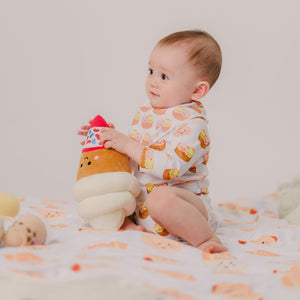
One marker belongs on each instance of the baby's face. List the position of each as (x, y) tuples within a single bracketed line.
[(172, 79)]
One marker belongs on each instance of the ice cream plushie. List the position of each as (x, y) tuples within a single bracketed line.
[(26, 230), (9, 205), (105, 190)]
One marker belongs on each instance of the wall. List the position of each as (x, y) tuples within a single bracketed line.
[(63, 61)]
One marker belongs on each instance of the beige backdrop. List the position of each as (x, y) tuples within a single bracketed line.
[(63, 61)]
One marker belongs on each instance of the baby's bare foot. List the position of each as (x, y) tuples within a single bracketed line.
[(129, 225), (213, 245)]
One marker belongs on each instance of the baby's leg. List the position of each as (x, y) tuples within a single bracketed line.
[(183, 214)]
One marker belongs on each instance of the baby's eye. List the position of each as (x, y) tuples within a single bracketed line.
[(164, 77), (150, 71)]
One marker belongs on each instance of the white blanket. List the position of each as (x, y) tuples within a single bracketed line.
[(263, 261)]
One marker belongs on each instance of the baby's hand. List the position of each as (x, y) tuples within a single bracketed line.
[(112, 138), (84, 129)]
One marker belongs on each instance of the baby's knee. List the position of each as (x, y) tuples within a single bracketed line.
[(159, 200)]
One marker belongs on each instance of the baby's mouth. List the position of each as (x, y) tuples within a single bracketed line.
[(154, 94)]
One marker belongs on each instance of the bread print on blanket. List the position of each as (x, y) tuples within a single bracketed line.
[(185, 152), (203, 139), (147, 159), (170, 174), (162, 244), (231, 290), (292, 276), (265, 240), (223, 263)]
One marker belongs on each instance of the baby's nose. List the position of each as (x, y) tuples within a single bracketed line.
[(153, 82)]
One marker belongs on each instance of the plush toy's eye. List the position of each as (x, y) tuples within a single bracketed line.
[(89, 162), (81, 165)]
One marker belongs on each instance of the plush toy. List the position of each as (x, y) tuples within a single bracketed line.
[(9, 205), (106, 190), (289, 200), (26, 230)]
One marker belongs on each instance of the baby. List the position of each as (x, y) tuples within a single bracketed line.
[(169, 141)]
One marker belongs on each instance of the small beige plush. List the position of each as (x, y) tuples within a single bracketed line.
[(9, 205), (26, 230)]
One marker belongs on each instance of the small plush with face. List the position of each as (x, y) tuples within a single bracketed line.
[(27, 230)]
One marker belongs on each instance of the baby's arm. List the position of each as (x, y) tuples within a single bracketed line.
[(112, 138)]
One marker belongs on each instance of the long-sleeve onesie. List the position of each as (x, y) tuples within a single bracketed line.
[(176, 152)]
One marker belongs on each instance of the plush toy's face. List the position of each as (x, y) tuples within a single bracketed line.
[(27, 230), (102, 161)]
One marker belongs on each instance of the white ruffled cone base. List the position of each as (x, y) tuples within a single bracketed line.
[(106, 199)]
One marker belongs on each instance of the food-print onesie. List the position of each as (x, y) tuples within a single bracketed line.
[(176, 153)]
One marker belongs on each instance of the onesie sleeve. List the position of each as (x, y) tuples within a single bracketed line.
[(174, 154)]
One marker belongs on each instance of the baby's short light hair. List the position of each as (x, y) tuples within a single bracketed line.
[(202, 49)]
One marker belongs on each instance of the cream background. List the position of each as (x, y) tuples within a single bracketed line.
[(63, 61)]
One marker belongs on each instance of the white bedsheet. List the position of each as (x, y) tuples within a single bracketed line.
[(263, 261)]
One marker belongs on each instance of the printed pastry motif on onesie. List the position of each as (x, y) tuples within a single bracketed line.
[(147, 140), (182, 130), (150, 186), (136, 118), (147, 121), (160, 230), (203, 138), (147, 159), (159, 111), (204, 191), (180, 113), (165, 124), (184, 152), (170, 174), (135, 135), (160, 145), (143, 210), (205, 158)]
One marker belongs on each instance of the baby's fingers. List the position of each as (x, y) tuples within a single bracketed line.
[(80, 132), (85, 127)]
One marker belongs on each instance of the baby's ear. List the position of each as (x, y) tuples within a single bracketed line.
[(201, 90)]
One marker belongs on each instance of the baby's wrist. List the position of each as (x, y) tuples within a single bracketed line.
[(134, 150)]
